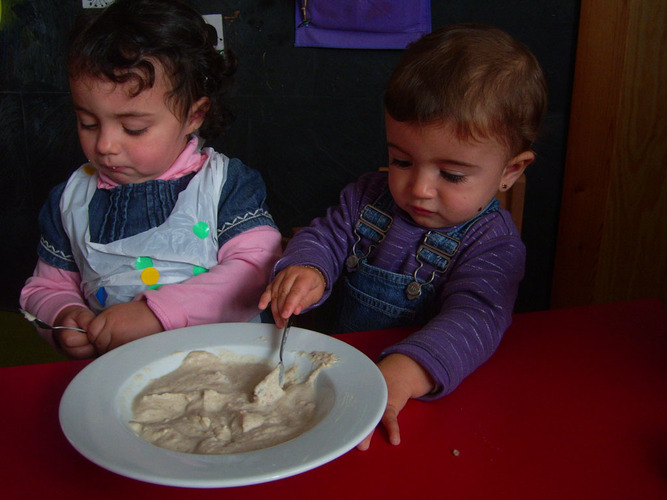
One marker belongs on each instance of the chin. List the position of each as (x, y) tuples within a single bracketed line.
[(428, 222)]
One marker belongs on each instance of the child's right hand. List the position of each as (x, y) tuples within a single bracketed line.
[(293, 290), (74, 344), (122, 323)]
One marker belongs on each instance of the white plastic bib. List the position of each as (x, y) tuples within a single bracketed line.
[(185, 245)]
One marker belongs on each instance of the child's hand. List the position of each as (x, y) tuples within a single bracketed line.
[(293, 290), (405, 379), (122, 323), (74, 344)]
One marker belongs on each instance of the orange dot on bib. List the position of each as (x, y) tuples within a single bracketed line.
[(150, 276)]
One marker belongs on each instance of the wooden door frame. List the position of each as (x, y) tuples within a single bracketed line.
[(612, 36)]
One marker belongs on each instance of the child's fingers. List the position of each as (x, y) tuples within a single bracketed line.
[(70, 338), (282, 290), (74, 344), (265, 299), (306, 290), (276, 311), (365, 444), (290, 293), (291, 299), (98, 334), (84, 352), (390, 422), (283, 308), (102, 342), (295, 301), (272, 293)]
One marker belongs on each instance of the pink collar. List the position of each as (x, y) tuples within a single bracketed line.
[(190, 160)]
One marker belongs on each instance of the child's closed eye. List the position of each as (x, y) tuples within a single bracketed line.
[(453, 178), (135, 132), (400, 163)]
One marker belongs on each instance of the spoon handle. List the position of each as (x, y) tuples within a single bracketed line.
[(281, 372), (43, 324)]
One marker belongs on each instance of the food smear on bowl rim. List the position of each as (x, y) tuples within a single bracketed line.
[(215, 406)]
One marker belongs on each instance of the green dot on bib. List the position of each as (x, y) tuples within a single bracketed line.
[(143, 263), (198, 270), (201, 229)]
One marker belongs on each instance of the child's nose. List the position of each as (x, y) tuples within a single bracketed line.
[(107, 142), (422, 185)]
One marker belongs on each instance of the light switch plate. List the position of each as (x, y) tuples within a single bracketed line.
[(215, 20), (95, 4)]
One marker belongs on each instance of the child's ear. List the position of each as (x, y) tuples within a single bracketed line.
[(197, 113), (515, 168)]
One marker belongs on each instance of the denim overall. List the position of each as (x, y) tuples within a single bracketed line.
[(373, 298), (185, 245)]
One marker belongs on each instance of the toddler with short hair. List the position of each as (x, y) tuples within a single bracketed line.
[(427, 243)]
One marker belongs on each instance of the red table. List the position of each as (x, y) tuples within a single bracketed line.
[(572, 405)]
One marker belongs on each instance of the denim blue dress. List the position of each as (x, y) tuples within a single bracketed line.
[(137, 237)]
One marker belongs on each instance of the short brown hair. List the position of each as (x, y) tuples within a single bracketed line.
[(478, 77)]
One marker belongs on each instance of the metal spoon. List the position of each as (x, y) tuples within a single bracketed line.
[(281, 372), (42, 324)]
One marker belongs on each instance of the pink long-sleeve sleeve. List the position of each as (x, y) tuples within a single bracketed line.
[(228, 292), (48, 291)]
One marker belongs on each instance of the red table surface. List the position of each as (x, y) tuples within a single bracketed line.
[(572, 405)]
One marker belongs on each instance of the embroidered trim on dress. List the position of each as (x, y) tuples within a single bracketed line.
[(260, 212), (53, 251)]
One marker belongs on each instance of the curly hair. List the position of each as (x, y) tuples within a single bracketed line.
[(477, 77), (123, 42)]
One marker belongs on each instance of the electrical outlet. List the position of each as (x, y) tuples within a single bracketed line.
[(215, 20), (95, 4)]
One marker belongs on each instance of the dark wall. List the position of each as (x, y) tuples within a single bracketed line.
[(310, 120)]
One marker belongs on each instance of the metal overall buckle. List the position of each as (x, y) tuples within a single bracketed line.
[(435, 256), (370, 230)]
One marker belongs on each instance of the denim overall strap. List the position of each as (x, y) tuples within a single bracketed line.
[(438, 249), (373, 224)]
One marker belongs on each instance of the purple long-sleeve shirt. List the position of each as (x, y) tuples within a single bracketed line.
[(474, 297)]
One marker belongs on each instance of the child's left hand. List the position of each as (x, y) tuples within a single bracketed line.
[(405, 379), (122, 323)]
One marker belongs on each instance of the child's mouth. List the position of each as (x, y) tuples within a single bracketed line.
[(112, 168), (421, 211)]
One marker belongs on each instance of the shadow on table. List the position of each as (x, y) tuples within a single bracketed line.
[(20, 344)]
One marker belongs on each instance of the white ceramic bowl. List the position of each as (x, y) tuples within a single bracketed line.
[(96, 406)]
